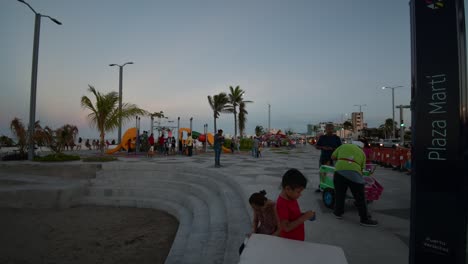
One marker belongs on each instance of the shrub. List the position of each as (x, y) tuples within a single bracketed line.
[(246, 144), (100, 159), (15, 156), (57, 157)]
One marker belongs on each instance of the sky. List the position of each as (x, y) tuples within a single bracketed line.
[(312, 61)]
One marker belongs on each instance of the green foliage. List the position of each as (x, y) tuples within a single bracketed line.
[(6, 141), (246, 144), (218, 104), (259, 130), (227, 143), (105, 114), (57, 157), (100, 159)]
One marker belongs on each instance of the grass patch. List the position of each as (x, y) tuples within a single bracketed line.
[(57, 157), (100, 159)]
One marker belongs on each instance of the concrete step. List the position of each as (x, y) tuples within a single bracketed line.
[(222, 188), (183, 249), (214, 247)]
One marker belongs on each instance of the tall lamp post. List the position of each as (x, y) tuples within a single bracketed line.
[(269, 112), (35, 59), (119, 137), (393, 106), (191, 119)]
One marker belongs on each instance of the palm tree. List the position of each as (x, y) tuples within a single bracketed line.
[(18, 129), (347, 125), (105, 112), (235, 98), (21, 133), (259, 130), (242, 117), (218, 104)]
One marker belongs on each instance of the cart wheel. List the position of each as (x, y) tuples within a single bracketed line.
[(328, 198)]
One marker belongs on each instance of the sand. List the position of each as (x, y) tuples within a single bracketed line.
[(85, 234)]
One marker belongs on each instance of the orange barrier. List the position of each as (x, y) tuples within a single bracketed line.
[(396, 158)]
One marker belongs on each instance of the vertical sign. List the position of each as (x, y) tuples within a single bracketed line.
[(439, 193)]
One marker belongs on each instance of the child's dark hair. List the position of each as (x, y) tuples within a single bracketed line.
[(258, 198), (294, 179)]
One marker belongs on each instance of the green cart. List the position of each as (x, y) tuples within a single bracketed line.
[(373, 189)]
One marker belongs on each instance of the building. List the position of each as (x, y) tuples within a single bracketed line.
[(357, 119)]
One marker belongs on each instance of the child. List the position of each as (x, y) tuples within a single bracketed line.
[(290, 215), (150, 152), (266, 219)]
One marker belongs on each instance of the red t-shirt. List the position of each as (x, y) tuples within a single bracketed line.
[(289, 210)]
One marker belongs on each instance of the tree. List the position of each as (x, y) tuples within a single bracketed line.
[(259, 130), (218, 104), (105, 112), (21, 133), (348, 125), (235, 98), (242, 118), (6, 141)]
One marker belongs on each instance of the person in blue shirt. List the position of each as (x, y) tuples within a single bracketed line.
[(327, 143)]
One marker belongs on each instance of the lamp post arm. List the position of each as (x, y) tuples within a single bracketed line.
[(32, 9)]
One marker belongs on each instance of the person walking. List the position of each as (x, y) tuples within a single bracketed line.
[(217, 146), (327, 144)]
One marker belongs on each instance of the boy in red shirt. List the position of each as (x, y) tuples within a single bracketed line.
[(290, 216)]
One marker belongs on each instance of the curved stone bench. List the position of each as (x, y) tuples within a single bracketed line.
[(229, 220)]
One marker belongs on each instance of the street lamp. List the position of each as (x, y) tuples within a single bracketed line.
[(393, 106), (269, 112), (35, 58), (360, 106), (120, 97)]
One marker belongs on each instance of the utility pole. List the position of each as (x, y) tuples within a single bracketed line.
[(402, 123), (269, 112)]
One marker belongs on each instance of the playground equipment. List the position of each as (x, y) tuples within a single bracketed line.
[(373, 189), (131, 134)]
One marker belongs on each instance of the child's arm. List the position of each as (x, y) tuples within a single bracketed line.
[(287, 226), (278, 225)]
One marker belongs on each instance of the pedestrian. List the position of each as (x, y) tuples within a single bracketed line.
[(327, 144), (265, 218), (350, 161), (173, 143), (289, 213), (256, 143), (217, 146), (189, 143), (232, 145), (151, 140), (129, 146)]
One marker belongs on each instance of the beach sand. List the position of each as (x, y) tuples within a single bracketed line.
[(85, 234)]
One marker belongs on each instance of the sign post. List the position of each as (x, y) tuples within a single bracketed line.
[(439, 95)]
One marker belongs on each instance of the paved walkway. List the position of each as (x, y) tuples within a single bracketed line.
[(212, 208)]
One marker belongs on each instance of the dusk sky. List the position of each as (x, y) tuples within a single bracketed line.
[(311, 60)]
